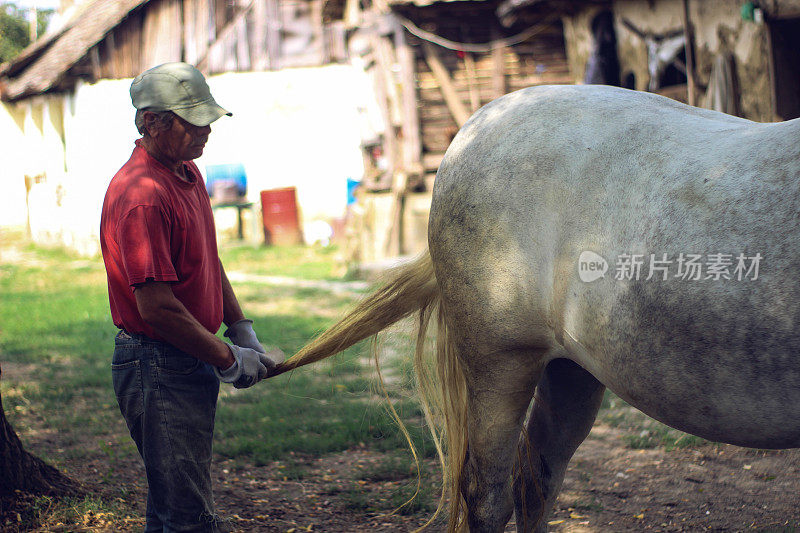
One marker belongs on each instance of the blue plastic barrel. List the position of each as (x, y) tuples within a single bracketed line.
[(351, 190), (233, 172)]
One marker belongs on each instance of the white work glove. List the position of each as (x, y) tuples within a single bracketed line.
[(241, 333), (248, 368)]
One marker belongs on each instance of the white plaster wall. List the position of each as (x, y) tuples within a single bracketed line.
[(298, 127), (44, 157), (12, 171), (99, 132), (33, 145)]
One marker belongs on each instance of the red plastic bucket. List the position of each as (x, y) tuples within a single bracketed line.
[(279, 214)]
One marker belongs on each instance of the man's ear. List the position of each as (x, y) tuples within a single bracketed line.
[(153, 123), (150, 123)]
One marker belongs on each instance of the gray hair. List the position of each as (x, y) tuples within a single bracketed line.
[(163, 119)]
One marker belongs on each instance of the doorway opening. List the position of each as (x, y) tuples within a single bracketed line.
[(785, 39)]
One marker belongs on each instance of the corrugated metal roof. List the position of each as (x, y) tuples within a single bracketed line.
[(44, 63)]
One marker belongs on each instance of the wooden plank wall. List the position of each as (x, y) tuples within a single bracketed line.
[(162, 33), (479, 77), (120, 51), (427, 91), (219, 36)]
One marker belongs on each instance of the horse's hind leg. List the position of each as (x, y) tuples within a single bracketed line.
[(566, 404), (499, 389)]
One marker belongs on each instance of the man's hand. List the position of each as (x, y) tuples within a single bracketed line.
[(273, 357), (241, 333), (249, 367)]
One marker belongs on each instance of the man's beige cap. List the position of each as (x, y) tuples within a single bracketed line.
[(176, 87)]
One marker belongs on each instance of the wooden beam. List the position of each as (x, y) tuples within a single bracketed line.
[(111, 55), (394, 240), (274, 23), (385, 54), (352, 13), (472, 82), (412, 142), (162, 34), (451, 98), (382, 95), (319, 30), (222, 35), (189, 29), (94, 57), (471, 76), (431, 161), (689, 52), (243, 60), (220, 8), (258, 37), (773, 75), (204, 30), (498, 66)]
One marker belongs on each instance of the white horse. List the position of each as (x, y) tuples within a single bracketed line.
[(584, 237)]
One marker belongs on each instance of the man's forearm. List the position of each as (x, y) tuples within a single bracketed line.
[(231, 310), (163, 312), (182, 330)]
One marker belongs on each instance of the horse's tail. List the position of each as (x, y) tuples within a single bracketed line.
[(411, 288)]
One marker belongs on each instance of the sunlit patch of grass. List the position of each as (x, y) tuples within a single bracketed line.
[(399, 490), (292, 470), (356, 499), (641, 431), (393, 467), (424, 500), (588, 504), (307, 262), (663, 436), (308, 413), (46, 513)]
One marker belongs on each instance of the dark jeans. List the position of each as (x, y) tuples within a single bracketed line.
[(168, 399)]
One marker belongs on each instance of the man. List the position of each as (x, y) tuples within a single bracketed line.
[(169, 294)]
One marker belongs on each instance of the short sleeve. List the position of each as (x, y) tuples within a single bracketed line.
[(143, 236)]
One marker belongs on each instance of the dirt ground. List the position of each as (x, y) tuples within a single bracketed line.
[(609, 488)]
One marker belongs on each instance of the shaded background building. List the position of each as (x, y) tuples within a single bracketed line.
[(326, 92)]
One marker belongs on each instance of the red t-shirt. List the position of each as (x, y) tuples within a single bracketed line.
[(155, 226)]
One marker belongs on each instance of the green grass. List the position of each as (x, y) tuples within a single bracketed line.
[(588, 504), (56, 344), (399, 500), (307, 262), (90, 513), (56, 341), (641, 431), (391, 468)]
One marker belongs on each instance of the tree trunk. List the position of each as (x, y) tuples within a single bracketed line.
[(22, 471)]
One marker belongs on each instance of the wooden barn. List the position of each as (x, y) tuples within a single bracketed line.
[(432, 65)]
